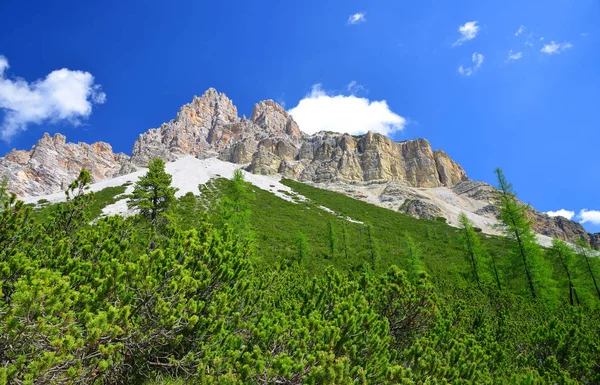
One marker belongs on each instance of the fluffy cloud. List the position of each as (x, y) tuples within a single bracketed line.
[(319, 111), (63, 95), (591, 216), (555, 48), (520, 30), (468, 31), (477, 60), (562, 213), (513, 56), (357, 18)]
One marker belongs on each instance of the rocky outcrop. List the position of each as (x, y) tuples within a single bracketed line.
[(271, 142), (52, 164), (209, 126), (420, 209), (325, 157)]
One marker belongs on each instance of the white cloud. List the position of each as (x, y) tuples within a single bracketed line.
[(468, 31), (520, 30), (513, 56), (591, 216), (477, 60), (319, 111), (561, 213), (62, 95), (555, 48), (357, 18)]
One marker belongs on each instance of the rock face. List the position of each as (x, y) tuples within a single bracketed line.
[(52, 164), (420, 209), (271, 142)]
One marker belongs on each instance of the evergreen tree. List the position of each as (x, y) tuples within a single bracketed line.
[(590, 263), (345, 238), (472, 247), (332, 238), (153, 194), (235, 206), (372, 246), (565, 256), (302, 246), (517, 227), (494, 269), (75, 211)]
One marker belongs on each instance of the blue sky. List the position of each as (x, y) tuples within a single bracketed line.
[(457, 73)]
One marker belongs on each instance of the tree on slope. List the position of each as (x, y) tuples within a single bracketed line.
[(565, 257), (527, 253), (332, 237), (471, 246), (153, 193), (235, 207), (590, 263), (75, 211)]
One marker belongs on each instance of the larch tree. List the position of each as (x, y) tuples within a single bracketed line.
[(471, 246), (565, 256), (153, 194), (526, 252), (590, 263)]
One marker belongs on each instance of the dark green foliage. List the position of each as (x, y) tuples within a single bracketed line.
[(97, 305), (153, 193)]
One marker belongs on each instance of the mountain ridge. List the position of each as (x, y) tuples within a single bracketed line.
[(270, 142)]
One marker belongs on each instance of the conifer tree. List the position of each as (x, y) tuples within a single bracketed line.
[(345, 239), (75, 211), (372, 245), (153, 194), (518, 228), (565, 257), (302, 246), (332, 238), (590, 263), (235, 206), (472, 247), (494, 269)]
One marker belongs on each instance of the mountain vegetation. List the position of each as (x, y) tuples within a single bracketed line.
[(238, 286)]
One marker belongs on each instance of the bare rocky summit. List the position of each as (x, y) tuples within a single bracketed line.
[(52, 164), (407, 176)]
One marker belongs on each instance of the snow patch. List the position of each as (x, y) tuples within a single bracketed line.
[(188, 172)]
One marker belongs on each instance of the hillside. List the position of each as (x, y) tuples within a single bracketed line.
[(262, 294)]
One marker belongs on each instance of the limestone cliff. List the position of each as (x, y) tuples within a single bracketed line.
[(52, 164), (271, 142)]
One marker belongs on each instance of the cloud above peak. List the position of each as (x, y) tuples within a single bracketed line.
[(561, 213), (357, 18), (63, 95), (555, 48), (468, 31), (322, 111)]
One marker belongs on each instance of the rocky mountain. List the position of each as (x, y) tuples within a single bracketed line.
[(408, 176), (52, 164)]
